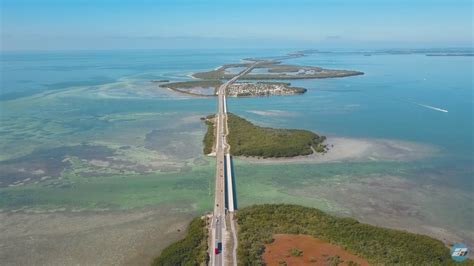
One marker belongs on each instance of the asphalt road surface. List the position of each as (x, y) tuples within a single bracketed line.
[(218, 219)]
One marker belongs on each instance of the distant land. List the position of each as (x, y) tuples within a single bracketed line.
[(451, 54), (242, 89), (206, 83), (208, 88), (274, 70)]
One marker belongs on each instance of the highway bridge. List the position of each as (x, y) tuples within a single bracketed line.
[(222, 211)]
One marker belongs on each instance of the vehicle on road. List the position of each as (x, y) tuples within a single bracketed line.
[(217, 248)]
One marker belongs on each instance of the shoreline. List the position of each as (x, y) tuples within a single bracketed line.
[(345, 149)]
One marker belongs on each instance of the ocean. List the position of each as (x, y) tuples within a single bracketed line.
[(89, 132)]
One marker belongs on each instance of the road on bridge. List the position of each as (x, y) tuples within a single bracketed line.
[(218, 222)]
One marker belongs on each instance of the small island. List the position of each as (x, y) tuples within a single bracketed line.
[(242, 89), (247, 139)]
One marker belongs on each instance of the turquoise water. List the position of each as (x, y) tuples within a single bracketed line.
[(381, 102), (105, 99)]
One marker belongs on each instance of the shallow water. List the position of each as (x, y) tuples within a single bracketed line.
[(88, 131)]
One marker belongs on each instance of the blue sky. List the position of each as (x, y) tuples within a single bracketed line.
[(135, 24)]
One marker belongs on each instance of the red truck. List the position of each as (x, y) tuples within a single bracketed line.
[(217, 248)]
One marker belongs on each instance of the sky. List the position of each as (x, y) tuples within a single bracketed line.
[(149, 24)]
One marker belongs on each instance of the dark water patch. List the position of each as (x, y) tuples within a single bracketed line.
[(47, 162), (186, 169), (84, 124), (172, 143), (14, 199), (200, 162), (169, 169), (16, 95), (436, 172), (94, 174), (337, 90), (22, 135), (97, 108), (24, 81), (93, 81), (62, 184), (149, 76), (201, 183), (299, 175), (106, 205)]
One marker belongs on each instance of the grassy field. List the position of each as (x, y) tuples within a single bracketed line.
[(378, 245), (247, 139)]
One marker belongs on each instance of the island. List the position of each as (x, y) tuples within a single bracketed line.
[(261, 227), (242, 89), (273, 70), (207, 83), (247, 139)]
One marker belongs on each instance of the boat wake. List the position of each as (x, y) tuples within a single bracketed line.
[(431, 107)]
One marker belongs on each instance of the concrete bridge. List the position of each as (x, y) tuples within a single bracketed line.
[(225, 198)]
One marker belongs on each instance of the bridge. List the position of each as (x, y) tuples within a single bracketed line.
[(224, 207)]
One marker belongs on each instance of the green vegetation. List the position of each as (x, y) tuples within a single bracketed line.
[(213, 74), (210, 136), (247, 139), (192, 250), (257, 225), (276, 71), (185, 86), (352, 263), (191, 84), (295, 252), (210, 87), (334, 260), (280, 74), (291, 68), (243, 89), (219, 73)]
